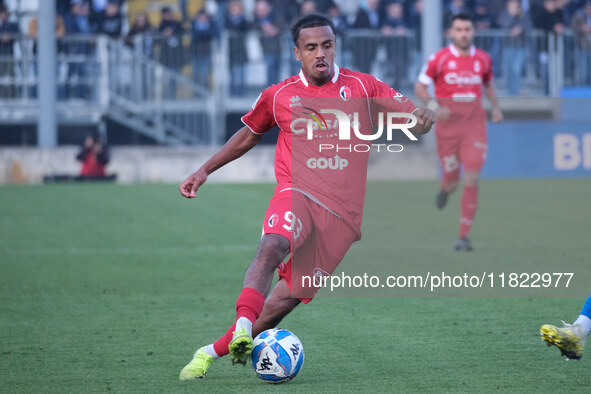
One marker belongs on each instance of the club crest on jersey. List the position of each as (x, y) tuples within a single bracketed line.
[(452, 64), (476, 66), (295, 101), (345, 93), (273, 220)]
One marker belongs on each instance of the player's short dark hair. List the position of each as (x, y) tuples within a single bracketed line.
[(312, 20), (462, 16)]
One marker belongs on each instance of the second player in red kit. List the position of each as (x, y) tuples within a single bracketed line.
[(460, 73)]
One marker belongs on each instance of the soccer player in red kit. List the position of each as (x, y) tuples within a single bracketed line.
[(460, 72), (315, 213)]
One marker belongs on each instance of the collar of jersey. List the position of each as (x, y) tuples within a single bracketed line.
[(456, 53), (334, 77)]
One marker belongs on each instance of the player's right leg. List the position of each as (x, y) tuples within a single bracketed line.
[(570, 338), (283, 216), (237, 341), (257, 282), (447, 149)]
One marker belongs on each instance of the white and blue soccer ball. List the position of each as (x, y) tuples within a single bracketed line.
[(278, 355)]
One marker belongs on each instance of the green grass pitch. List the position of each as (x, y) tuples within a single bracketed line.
[(112, 288)]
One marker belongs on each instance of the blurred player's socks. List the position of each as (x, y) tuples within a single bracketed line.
[(210, 349), (469, 205), (248, 308)]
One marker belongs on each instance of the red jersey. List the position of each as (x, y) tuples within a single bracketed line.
[(458, 85), (91, 165), (335, 178)]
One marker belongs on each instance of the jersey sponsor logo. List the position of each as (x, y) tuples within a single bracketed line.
[(464, 97), (465, 79), (317, 116), (345, 93), (295, 101), (330, 163), (273, 220), (345, 125)]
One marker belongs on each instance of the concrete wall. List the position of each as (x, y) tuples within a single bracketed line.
[(169, 164)]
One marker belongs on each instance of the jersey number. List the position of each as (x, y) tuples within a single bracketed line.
[(294, 225)]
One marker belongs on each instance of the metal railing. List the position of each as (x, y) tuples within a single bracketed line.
[(98, 76), (183, 96)]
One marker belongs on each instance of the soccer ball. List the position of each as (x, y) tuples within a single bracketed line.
[(278, 355)]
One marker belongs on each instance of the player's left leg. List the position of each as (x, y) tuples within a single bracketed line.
[(468, 206), (473, 151), (278, 305), (570, 338)]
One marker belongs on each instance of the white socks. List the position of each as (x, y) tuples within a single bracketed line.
[(585, 322), (211, 351), (243, 322)]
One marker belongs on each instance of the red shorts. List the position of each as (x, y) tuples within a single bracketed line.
[(468, 149), (318, 240)]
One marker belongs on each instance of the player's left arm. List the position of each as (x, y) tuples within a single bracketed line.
[(491, 92)]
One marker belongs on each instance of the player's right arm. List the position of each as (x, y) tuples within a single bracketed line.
[(428, 75), (257, 121), (240, 143)]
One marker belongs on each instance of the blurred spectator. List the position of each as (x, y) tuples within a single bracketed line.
[(338, 19), (308, 7), (483, 20), (78, 48), (394, 29), (365, 47), (8, 32), (551, 20), (140, 39), (203, 31), (322, 6), (62, 7), (94, 157), (482, 17), (171, 48), (568, 8), (581, 25), (60, 31), (415, 23), (455, 7), (237, 27), (184, 11), (269, 30), (286, 11), (496, 7), (109, 21), (140, 27), (98, 6), (516, 22)]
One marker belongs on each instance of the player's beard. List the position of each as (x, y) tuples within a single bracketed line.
[(463, 44), (322, 71)]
